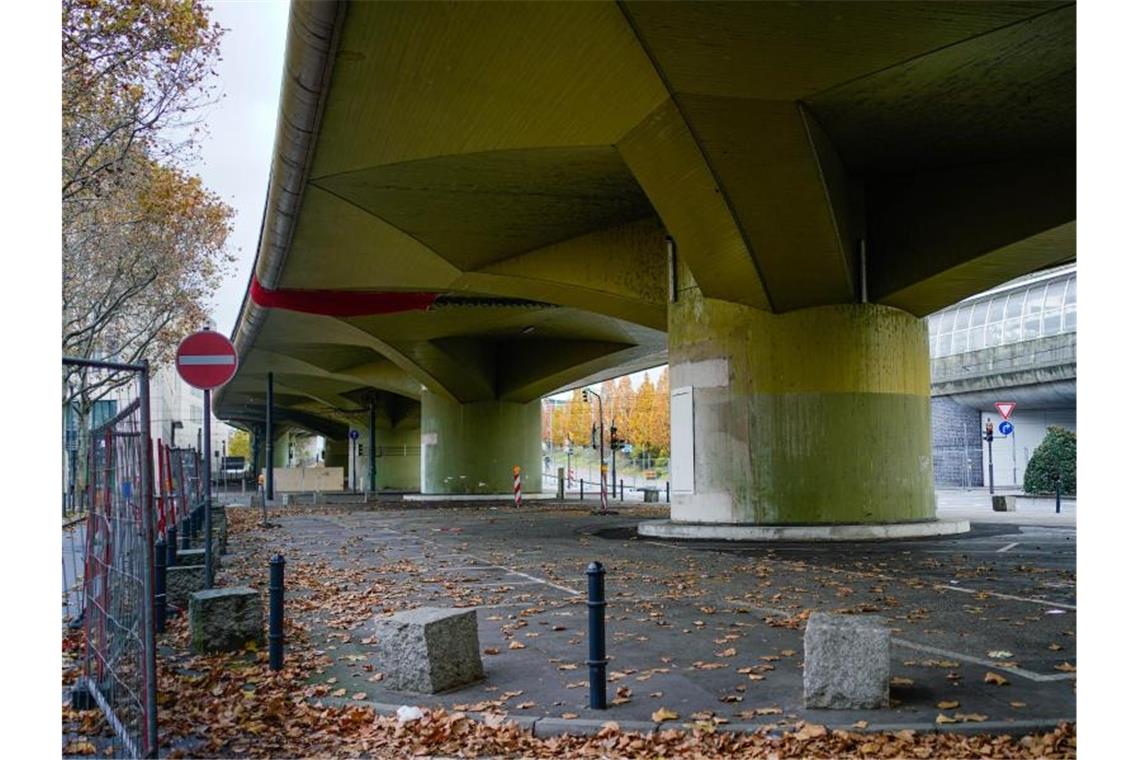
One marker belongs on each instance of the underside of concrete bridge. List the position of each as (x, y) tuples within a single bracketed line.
[(474, 205)]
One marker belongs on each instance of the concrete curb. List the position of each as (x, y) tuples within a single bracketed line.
[(477, 497), (854, 532), (544, 728)]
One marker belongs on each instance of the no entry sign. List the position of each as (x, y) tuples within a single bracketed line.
[(206, 360)]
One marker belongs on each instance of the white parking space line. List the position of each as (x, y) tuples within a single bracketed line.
[(979, 661), (1044, 602), (1007, 547), (934, 650), (480, 560)]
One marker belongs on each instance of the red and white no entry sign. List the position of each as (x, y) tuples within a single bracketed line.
[(206, 360)]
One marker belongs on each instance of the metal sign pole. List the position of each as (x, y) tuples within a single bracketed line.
[(990, 445), (269, 437), (150, 670), (372, 445), (209, 502)]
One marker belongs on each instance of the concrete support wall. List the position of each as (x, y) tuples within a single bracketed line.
[(398, 455), (956, 442), (471, 448), (336, 454), (815, 416)]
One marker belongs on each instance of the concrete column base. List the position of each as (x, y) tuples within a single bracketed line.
[(847, 532), (476, 496)]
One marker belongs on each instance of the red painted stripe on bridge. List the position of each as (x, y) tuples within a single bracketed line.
[(340, 303)]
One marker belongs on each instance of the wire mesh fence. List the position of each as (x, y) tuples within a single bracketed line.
[(110, 553)]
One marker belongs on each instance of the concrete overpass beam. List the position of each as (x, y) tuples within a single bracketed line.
[(816, 416), (471, 448)]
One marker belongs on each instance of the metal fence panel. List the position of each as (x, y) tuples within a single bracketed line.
[(118, 660)]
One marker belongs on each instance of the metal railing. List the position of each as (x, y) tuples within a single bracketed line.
[(583, 488), (115, 470)]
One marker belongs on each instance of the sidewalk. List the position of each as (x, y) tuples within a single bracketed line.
[(710, 632), (976, 505)]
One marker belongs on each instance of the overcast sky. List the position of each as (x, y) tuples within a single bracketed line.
[(235, 156)]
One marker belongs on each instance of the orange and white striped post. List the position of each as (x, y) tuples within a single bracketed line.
[(518, 486), (603, 479)]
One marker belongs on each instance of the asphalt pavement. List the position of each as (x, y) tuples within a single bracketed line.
[(708, 630)]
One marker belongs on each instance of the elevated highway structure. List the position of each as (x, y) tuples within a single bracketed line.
[(476, 204)]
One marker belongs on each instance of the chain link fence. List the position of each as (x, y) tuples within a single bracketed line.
[(111, 551)]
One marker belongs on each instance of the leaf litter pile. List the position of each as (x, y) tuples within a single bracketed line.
[(232, 705)]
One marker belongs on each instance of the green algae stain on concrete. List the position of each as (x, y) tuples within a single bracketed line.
[(822, 415), (472, 448)]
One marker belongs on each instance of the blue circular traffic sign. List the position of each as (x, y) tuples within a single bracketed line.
[(353, 434), (1006, 427)]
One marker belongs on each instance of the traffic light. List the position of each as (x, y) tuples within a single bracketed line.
[(360, 449), (585, 396), (614, 442), (594, 435), (989, 436)]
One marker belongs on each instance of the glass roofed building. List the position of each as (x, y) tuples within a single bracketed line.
[(1014, 343)]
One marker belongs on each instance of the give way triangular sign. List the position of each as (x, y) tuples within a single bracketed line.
[(1005, 408)]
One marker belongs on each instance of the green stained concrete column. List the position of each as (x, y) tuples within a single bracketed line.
[(281, 449), (815, 416), (471, 448)]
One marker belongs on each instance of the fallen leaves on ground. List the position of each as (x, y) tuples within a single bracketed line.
[(79, 748), (996, 680), (252, 712), (949, 704)]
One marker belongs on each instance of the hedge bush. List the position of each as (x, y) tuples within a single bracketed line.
[(1057, 453)]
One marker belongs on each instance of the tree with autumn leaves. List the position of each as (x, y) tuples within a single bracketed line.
[(641, 416), (144, 241)]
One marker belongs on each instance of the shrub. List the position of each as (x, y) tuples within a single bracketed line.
[(1057, 453)]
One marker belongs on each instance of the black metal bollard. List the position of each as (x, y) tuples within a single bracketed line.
[(171, 546), (596, 604), (276, 612), (160, 586), (622, 497), (1057, 484), (185, 529), (581, 490), (666, 491)]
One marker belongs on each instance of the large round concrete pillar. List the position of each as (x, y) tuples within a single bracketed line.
[(815, 417), (471, 448)]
